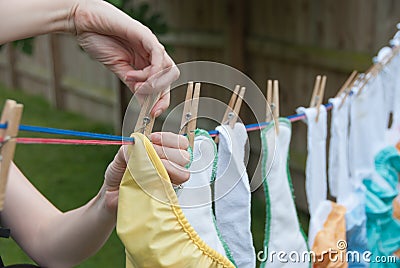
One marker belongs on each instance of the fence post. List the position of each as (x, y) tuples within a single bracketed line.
[(235, 39), (55, 93), (12, 78)]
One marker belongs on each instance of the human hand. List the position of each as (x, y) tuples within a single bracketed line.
[(172, 150), (126, 47)]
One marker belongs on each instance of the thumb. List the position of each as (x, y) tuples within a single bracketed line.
[(115, 171)]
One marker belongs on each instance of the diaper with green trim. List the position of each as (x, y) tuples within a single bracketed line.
[(195, 198), (282, 228), (150, 221)]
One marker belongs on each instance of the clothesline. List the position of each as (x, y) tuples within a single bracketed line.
[(108, 139), (24, 140)]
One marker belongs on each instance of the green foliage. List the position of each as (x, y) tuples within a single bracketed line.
[(142, 13), (25, 45)]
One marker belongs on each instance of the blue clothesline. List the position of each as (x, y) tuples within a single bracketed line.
[(58, 131)]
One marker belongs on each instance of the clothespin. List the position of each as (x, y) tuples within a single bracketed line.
[(232, 111), (145, 120), (346, 88), (273, 101), (11, 116), (346, 85), (190, 109), (318, 93)]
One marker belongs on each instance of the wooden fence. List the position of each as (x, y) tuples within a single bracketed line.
[(288, 40)]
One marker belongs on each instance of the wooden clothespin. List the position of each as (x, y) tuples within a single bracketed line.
[(232, 111), (273, 101), (11, 116), (190, 109), (347, 86), (235, 103), (350, 81), (145, 120), (318, 93)]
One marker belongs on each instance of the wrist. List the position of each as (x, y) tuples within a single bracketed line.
[(71, 9), (104, 204)]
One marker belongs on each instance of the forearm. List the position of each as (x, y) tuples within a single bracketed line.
[(48, 236), (73, 236), (25, 18)]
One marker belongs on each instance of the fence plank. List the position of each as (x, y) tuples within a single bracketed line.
[(11, 66), (235, 39), (55, 94)]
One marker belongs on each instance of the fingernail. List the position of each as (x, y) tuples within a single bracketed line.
[(155, 137), (129, 78), (157, 113)]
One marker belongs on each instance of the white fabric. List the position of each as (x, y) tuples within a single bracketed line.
[(284, 230), (350, 196), (316, 185), (233, 196), (338, 168), (391, 80), (368, 124), (195, 197), (387, 75)]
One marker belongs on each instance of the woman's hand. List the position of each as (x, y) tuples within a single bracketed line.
[(172, 150), (126, 47)]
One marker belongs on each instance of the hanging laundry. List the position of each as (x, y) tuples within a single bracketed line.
[(233, 196), (150, 222), (195, 198), (338, 168), (388, 72), (327, 219), (348, 194), (391, 73), (282, 229), (382, 229), (316, 186), (365, 108)]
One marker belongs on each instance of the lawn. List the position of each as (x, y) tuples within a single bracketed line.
[(70, 175)]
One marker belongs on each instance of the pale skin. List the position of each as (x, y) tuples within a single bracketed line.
[(64, 239)]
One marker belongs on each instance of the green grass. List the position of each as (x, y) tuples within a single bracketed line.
[(70, 175)]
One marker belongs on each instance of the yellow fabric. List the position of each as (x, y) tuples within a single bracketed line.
[(334, 230), (150, 222)]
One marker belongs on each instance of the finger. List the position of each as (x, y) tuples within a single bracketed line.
[(115, 170), (177, 175), (120, 158), (164, 77), (154, 80), (169, 139), (138, 75), (162, 104), (177, 156)]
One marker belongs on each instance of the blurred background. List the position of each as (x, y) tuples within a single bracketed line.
[(289, 40)]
